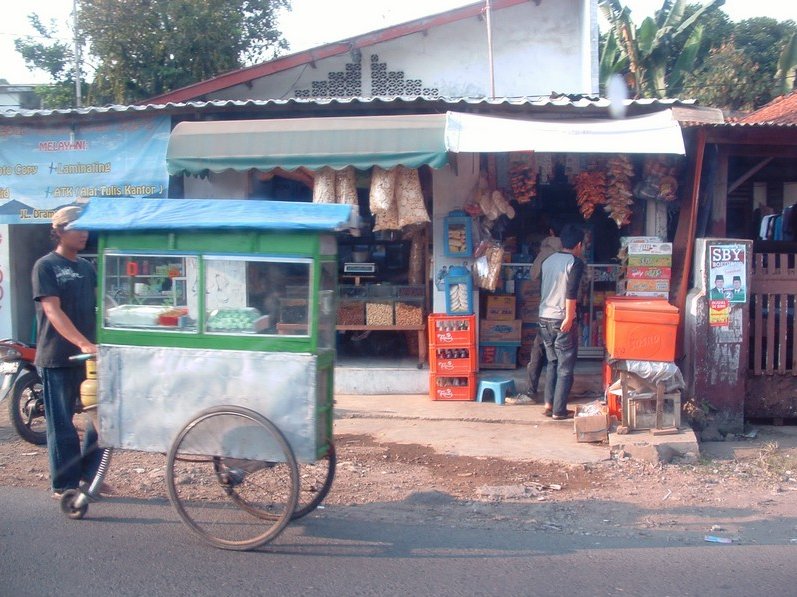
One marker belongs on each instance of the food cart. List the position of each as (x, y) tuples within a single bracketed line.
[(193, 361)]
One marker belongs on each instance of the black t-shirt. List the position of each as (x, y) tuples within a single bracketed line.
[(74, 283)]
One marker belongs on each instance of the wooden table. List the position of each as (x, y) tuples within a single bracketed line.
[(420, 329)]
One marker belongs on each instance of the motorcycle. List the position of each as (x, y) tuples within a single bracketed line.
[(21, 382)]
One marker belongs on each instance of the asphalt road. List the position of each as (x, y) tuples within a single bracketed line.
[(131, 547)]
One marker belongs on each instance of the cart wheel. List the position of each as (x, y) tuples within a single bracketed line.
[(315, 481), (261, 470), (68, 506)]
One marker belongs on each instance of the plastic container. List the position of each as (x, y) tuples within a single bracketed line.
[(458, 288), (458, 240), (452, 387), (449, 330), (452, 361), (641, 329)]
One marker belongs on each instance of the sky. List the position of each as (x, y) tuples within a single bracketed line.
[(315, 22)]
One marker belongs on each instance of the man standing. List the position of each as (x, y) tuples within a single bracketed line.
[(718, 290), (64, 289), (561, 278)]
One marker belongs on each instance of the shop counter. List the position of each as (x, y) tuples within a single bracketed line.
[(420, 329)]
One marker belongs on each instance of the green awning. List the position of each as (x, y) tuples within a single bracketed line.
[(359, 141)]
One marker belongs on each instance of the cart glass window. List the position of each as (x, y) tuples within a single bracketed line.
[(327, 310), (254, 295), (154, 292)]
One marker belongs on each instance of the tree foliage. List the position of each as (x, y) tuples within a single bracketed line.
[(654, 56), (54, 57), (135, 49), (694, 51)]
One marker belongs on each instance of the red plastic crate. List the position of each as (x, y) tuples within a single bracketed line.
[(449, 361), (439, 388), (452, 330)]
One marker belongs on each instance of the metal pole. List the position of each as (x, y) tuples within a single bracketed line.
[(488, 18), (78, 99)]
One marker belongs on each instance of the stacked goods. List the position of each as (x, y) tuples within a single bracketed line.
[(379, 313), (408, 315), (647, 267), (487, 266), (457, 238), (658, 179), (396, 198), (452, 362), (351, 312), (590, 191), (523, 180), (528, 301), (619, 197), (499, 334)]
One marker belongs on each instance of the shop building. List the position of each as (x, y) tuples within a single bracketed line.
[(406, 97)]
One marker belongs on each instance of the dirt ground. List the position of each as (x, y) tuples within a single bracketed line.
[(745, 490)]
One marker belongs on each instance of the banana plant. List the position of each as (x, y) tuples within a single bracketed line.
[(787, 67), (643, 54)]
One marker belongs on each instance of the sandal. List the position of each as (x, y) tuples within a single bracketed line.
[(548, 412)]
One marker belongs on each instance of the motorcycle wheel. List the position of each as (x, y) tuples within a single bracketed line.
[(26, 409)]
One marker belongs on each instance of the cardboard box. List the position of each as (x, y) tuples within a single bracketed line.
[(649, 249), (499, 331), (594, 427), (498, 356), (627, 240), (645, 285), (648, 273), (529, 312), (501, 308), (653, 294), (527, 289), (649, 260)]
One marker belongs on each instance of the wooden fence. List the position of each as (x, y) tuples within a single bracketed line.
[(773, 321)]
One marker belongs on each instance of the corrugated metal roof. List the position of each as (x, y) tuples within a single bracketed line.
[(564, 102)]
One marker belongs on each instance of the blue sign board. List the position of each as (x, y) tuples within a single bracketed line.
[(44, 168)]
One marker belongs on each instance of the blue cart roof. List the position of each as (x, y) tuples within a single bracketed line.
[(108, 213)]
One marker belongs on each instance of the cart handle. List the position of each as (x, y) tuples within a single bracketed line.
[(84, 356)]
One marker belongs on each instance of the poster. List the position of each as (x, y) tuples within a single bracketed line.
[(727, 273), (719, 312), (44, 168)]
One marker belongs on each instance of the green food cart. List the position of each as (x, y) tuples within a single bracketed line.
[(216, 336)]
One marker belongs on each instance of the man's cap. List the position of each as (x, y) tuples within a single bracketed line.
[(719, 277), (65, 215), (737, 278)]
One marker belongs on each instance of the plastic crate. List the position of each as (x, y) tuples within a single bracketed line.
[(641, 329), (454, 360), (452, 330), (496, 355), (452, 387)]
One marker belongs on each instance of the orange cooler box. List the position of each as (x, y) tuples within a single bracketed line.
[(641, 329)]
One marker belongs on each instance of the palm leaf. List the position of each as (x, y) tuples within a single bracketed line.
[(787, 66), (685, 61)]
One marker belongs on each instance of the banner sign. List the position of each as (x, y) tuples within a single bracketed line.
[(44, 168)]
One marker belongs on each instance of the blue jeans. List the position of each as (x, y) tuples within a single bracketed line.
[(69, 463), (561, 349)]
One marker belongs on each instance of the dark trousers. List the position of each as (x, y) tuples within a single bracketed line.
[(536, 363), (69, 462), (561, 349)]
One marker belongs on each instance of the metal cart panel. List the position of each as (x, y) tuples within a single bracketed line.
[(147, 394)]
